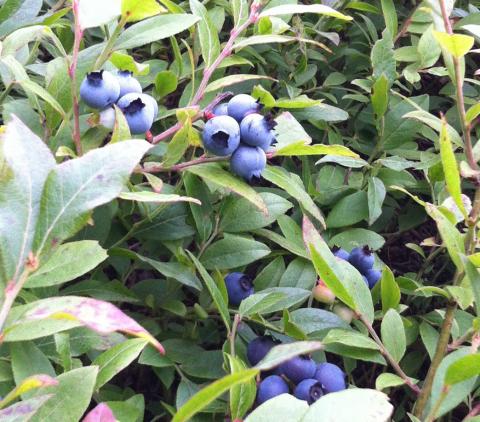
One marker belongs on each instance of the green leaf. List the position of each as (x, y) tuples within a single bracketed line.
[(121, 130), (358, 404), (458, 45), (208, 394), (289, 131), (72, 396), (350, 338), (301, 148), (474, 279), (283, 407), (316, 321), (214, 291), (298, 102), (352, 238), (291, 183), (380, 95), (166, 82), (383, 60), (25, 162), (137, 10), (232, 80), (387, 380), (126, 62), (242, 396), (178, 145), (214, 173), (463, 369), (376, 196), (322, 112), (284, 352), (349, 210), (473, 112), (390, 291), (240, 215), (154, 29), (118, 357), (158, 198), (232, 252), (207, 33), (390, 16), (28, 384), (86, 182), (393, 334), (68, 262), (450, 169), (288, 9), (91, 13), (450, 235)]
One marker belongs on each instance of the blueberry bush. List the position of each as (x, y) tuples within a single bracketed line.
[(241, 210)]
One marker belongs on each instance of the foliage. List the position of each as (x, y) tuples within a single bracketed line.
[(104, 237)]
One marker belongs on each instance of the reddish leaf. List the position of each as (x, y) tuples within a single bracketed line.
[(98, 315), (24, 410), (101, 413)]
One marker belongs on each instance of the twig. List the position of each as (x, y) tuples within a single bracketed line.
[(474, 412), (386, 354), (438, 403), (233, 333), (72, 73), (208, 71)]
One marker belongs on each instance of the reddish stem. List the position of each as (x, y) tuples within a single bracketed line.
[(207, 73), (72, 72)]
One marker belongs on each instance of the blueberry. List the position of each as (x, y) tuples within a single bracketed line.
[(239, 287), (322, 293), (342, 254), (256, 131), (258, 348), (221, 109), (331, 377), (107, 118), (373, 275), (248, 162), (99, 89), (271, 387), (221, 135), (298, 368), (241, 105), (309, 390), (138, 111), (362, 259), (128, 83)]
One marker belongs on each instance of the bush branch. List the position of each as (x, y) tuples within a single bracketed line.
[(208, 71), (386, 354)]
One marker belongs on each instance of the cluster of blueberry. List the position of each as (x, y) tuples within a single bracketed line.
[(310, 380), (237, 129), (363, 260), (101, 89)]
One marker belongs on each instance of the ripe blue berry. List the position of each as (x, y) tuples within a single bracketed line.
[(373, 275), (271, 387), (221, 109), (248, 162), (99, 89), (309, 390), (256, 131), (362, 259), (258, 348), (242, 104), (221, 135), (239, 287), (298, 368), (331, 377), (138, 111), (128, 83), (342, 254)]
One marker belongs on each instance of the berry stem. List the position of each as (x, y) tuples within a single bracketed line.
[(383, 350), (72, 73), (207, 73)]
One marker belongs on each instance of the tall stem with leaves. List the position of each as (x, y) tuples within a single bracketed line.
[(445, 331)]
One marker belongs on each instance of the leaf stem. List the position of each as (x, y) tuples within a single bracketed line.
[(72, 73), (208, 71), (386, 354), (236, 320)]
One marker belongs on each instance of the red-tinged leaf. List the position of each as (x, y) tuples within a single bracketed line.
[(101, 413), (24, 410), (98, 315), (30, 383)]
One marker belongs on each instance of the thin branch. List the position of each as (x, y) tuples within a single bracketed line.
[(72, 73), (208, 71), (386, 354)]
